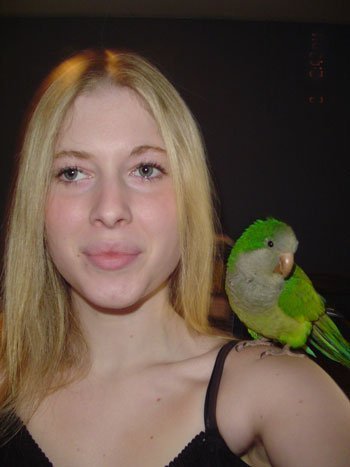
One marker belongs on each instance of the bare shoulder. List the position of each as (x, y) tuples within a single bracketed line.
[(289, 404), (274, 373)]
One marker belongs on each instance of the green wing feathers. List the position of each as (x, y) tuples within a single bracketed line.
[(299, 299), (326, 337)]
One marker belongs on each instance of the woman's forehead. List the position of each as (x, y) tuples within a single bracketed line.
[(111, 112)]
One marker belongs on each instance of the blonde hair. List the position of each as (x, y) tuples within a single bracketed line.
[(40, 337)]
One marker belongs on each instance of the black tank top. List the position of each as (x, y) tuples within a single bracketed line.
[(207, 449)]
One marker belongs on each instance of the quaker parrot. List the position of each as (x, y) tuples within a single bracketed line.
[(273, 296)]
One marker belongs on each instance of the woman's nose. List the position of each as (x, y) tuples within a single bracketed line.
[(111, 204)]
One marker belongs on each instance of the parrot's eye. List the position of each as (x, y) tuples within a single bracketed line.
[(270, 243)]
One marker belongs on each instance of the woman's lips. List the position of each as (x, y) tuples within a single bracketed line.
[(110, 260)]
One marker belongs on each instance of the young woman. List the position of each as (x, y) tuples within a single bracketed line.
[(107, 357)]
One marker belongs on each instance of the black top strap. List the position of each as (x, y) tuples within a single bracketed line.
[(213, 387)]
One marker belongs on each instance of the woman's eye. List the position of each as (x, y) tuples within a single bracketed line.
[(71, 174), (148, 171)]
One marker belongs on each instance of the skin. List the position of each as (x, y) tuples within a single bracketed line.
[(142, 399), (108, 225)]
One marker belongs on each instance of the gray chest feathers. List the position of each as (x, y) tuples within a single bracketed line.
[(252, 285)]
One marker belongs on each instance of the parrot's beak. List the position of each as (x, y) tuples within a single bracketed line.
[(285, 264)]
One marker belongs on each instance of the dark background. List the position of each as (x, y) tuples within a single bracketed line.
[(272, 100), (277, 139)]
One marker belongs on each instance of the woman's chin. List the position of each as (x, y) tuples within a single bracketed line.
[(117, 303)]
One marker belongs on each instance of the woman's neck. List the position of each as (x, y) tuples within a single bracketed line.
[(123, 340)]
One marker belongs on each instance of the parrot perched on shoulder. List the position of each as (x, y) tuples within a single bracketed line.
[(273, 296)]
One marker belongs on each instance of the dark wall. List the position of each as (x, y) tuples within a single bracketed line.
[(271, 100)]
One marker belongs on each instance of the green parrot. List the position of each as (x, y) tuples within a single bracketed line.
[(274, 298)]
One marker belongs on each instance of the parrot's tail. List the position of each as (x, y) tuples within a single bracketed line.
[(326, 337)]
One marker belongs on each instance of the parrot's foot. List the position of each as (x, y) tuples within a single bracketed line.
[(284, 351), (252, 343)]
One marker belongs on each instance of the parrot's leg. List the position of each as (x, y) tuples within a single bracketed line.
[(284, 351), (252, 343)]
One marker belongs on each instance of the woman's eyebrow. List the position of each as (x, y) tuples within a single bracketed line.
[(78, 154), (139, 150)]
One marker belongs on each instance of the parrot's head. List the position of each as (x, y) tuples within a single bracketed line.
[(266, 247)]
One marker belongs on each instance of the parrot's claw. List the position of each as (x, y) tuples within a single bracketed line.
[(252, 343), (284, 351)]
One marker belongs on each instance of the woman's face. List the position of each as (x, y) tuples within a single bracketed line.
[(111, 225)]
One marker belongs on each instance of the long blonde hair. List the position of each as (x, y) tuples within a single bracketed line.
[(40, 338)]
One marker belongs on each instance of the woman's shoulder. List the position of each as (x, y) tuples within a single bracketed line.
[(285, 374), (279, 398)]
